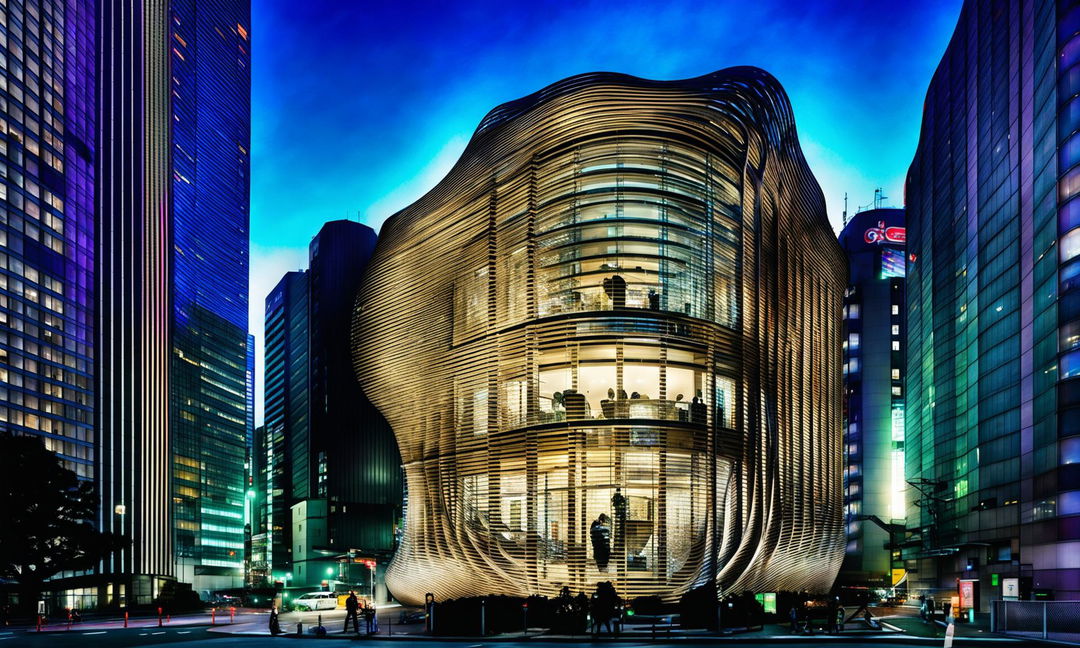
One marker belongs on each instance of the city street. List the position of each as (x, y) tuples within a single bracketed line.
[(182, 638)]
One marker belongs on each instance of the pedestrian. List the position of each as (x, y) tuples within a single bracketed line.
[(794, 616), (275, 626), (369, 617), (351, 606)]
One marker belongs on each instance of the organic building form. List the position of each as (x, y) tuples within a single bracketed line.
[(608, 343)]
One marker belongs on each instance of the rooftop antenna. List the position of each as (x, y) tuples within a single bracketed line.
[(879, 197), (845, 210)]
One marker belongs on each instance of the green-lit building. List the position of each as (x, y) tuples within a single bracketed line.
[(993, 357)]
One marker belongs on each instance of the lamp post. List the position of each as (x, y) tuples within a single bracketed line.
[(371, 578)]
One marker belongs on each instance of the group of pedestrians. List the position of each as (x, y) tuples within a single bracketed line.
[(606, 609), (354, 610)]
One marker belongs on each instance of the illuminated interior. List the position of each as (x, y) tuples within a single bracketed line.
[(569, 347)]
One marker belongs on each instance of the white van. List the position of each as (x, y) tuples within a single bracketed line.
[(316, 601)]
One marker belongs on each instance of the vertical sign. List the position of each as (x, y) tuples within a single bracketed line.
[(967, 595)]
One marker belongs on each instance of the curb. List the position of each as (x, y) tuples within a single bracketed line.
[(889, 637)]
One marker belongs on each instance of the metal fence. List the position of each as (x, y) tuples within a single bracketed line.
[(1056, 620)]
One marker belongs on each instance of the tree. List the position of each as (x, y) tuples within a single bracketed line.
[(45, 518)]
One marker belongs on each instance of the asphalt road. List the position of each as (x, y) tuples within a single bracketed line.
[(192, 637)]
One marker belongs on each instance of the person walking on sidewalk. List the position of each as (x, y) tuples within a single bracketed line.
[(351, 607)]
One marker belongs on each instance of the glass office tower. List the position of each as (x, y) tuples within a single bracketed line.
[(608, 344), (874, 334), (47, 227), (211, 113), (993, 416), (47, 148), (172, 268)]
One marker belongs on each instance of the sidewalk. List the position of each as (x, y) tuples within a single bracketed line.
[(632, 633)]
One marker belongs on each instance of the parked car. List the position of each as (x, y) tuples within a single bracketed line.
[(316, 601), (218, 599)]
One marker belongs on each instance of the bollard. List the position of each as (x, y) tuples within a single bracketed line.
[(39, 623), (232, 614), (1044, 632), (213, 616), (299, 628), (159, 617), (483, 603), (125, 618), (69, 620), (168, 618), (390, 628)]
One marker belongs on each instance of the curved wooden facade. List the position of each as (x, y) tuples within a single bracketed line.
[(608, 343)]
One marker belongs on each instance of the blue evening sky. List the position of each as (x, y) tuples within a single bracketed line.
[(358, 108)]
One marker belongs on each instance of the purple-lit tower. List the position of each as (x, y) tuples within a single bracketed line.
[(47, 148), (992, 420)]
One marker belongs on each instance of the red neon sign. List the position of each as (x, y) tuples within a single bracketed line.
[(882, 234)]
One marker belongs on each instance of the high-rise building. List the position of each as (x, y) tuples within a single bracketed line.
[(286, 412), (48, 141), (210, 110), (342, 496), (258, 555), (874, 332), (608, 343), (354, 463), (172, 266), (993, 384)]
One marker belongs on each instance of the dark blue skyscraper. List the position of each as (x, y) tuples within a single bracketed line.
[(47, 150), (286, 420), (210, 110), (172, 270)]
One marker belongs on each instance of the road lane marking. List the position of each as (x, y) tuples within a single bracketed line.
[(157, 633), (94, 633), (183, 632)]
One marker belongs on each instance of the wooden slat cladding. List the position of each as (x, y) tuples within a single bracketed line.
[(614, 325)]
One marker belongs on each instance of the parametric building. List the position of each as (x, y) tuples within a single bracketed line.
[(608, 344)]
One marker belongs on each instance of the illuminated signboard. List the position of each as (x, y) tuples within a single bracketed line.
[(882, 234), (967, 594), (767, 601), (892, 263)]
